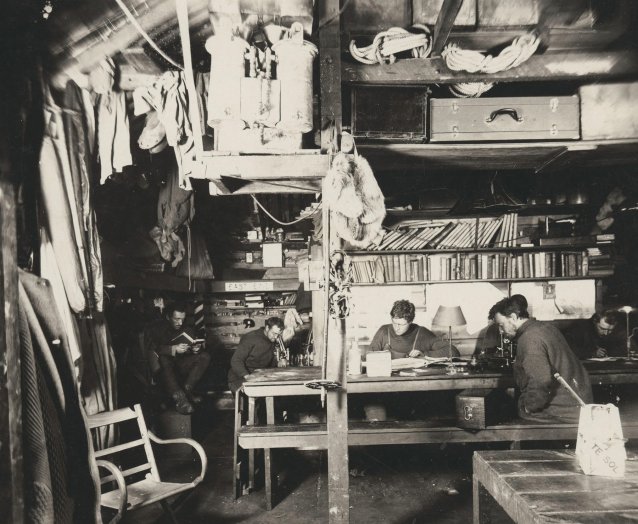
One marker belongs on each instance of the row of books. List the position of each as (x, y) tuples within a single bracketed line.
[(475, 266), (461, 233)]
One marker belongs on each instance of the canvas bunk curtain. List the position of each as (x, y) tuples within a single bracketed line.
[(70, 253)]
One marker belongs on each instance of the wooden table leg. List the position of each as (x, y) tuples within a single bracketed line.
[(270, 480), (251, 452), (476, 505), (236, 461)]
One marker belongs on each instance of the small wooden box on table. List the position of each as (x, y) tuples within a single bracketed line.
[(534, 486)]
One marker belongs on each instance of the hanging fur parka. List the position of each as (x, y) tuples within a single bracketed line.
[(354, 199)]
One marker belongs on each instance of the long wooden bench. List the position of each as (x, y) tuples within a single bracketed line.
[(363, 433)]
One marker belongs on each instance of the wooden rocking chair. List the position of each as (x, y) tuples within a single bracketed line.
[(129, 495)]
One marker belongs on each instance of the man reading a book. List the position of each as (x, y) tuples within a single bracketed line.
[(256, 350), (182, 357)]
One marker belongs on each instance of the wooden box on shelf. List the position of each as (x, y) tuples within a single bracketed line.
[(609, 111), (504, 119)]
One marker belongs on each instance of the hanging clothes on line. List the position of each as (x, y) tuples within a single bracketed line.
[(113, 135), (175, 207), (168, 96)]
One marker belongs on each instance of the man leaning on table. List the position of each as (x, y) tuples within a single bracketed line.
[(541, 351), (256, 350), (404, 339)]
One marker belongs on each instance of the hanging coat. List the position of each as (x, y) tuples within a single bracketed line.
[(78, 142), (61, 215), (60, 475)]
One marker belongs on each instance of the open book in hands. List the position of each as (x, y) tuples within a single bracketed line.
[(185, 338)]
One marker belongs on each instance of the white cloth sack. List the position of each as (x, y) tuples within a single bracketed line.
[(600, 447)]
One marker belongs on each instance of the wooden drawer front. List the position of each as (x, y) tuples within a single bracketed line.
[(609, 110), (471, 409), (504, 119)]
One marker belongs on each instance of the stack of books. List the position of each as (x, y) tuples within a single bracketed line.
[(453, 234), (599, 264)]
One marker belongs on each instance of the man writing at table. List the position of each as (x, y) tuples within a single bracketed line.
[(256, 350), (404, 339), (602, 336), (541, 351)]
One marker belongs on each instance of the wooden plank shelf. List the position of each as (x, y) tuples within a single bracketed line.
[(461, 281), (551, 66), (538, 156), (481, 251), (304, 164)]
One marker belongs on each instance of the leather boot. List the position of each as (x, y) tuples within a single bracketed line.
[(182, 405), (195, 399)]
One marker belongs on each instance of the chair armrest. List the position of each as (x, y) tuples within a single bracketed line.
[(121, 486), (190, 442)]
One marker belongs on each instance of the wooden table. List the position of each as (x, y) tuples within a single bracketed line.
[(535, 486), (282, 382)]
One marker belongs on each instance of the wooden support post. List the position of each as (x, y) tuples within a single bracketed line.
[(251, 452), (318, 319), (269, 478), (444, 23), (11, 480), (330, 71), (337, 425)]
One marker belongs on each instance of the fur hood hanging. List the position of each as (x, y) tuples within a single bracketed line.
[(355, 200)]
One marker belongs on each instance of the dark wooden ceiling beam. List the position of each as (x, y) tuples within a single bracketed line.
[(444, 22), (555, 66)]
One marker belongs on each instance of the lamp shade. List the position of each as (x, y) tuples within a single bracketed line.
[(449, 316)]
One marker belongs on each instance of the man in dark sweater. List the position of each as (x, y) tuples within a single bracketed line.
[(403, 338), (256, 350), (181, 364), (602, 336), (541, 351)]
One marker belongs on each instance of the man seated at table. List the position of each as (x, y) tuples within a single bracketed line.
[(256, 350), (601, 336), (541, 351), (403, 338)]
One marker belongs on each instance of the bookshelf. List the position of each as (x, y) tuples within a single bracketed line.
[(373, 268), (478, 249)]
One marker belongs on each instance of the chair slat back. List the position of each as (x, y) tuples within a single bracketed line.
[(147, 442), (111, 417), (127, 472), (122, 415)]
